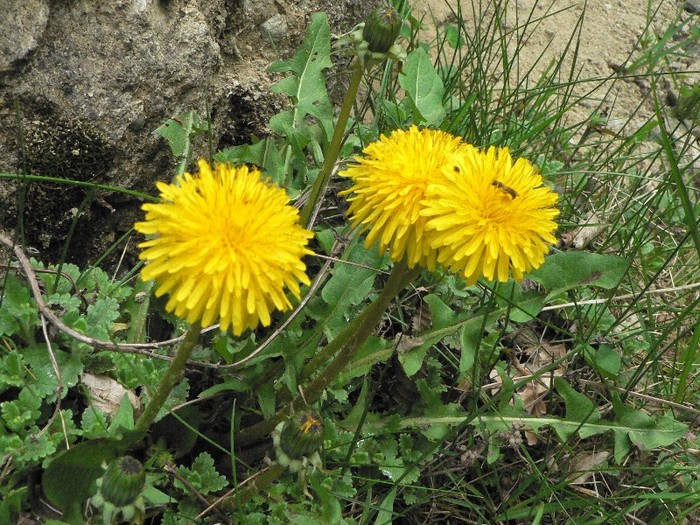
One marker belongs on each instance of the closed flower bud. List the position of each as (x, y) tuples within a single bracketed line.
[(381, 29), (123, 481), (302, 435)]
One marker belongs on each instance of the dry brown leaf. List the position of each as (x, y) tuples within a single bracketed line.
[(404, 343), (543, 355), (422, 320), (533, 395), (582, 466), (531, 438), (582, 236), (106, 394)]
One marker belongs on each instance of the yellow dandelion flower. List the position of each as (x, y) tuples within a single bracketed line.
[(490, 216), (225, 246), (390, 182)]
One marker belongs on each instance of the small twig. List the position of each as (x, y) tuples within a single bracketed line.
[(621, 297), (6, 466), (51, 271), (225, 497), (312, 290), (141, 348), (59, 391), (254, 484), (351, 263), (175, 474), (43, 307), (59, 381), (121, 259), (133, 348), (646, 397)]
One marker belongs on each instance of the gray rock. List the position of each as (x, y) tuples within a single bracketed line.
[(22, 25), (255, 12), (692, 6), (104, 76), (275, 28)]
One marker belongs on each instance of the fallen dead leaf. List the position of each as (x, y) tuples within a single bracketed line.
[(582, 466), (582, 236), (106, 393)]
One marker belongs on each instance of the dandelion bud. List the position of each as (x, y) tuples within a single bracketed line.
[(123, 481), (381, 29), (302, 435)]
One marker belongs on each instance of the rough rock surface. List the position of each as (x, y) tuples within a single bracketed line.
[(21, 27), (84, 84)]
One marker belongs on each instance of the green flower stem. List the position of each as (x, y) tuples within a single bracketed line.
[(254, 486), (172, 376), (348, 341), (319, 187)]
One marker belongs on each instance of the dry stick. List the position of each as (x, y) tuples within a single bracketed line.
[(175, 474), (312, 290), (135, 348), (251, 486), (52, 357), (646, 397), (59, 391), (624, 297), (59, 381)]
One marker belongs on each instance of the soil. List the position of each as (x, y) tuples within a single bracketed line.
[(608, 36), (83, 86)]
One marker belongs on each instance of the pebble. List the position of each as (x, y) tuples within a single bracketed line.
[(275, 27), (692, 6)]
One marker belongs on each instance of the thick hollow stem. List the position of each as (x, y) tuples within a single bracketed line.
[(172, 376), (349, 342), (319, 187), (254, 486)]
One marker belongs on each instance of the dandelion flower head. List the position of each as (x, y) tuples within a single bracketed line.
[(490, 216), (225, 246), (389, 186)]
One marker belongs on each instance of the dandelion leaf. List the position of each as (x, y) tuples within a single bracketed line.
[(306, 87), (70, 478), (424, 87), (265, 154), (578, 408), (636, 428), (179, 131), (348, 287), (567, 270), (444, 323)]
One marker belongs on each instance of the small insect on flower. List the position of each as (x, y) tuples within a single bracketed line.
[(506, 189), (490, 215), (389, 190)]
